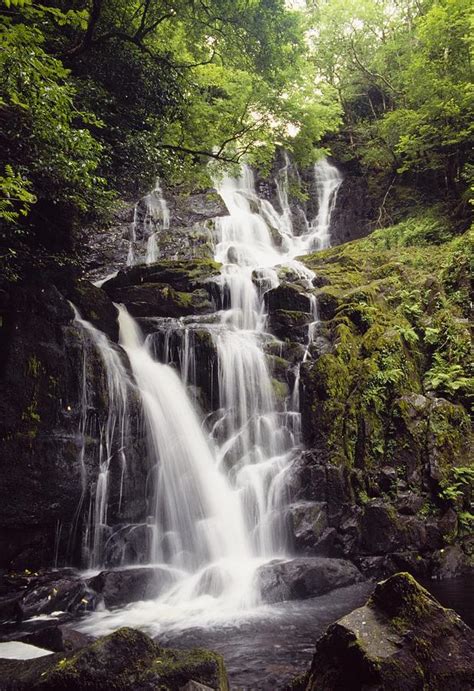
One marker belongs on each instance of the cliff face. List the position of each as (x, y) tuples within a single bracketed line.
[(386, 476)]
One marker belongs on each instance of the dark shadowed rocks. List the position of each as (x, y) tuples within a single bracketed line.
[(301, 578)]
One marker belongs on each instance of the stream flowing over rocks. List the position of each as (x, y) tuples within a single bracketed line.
[(178, 451)]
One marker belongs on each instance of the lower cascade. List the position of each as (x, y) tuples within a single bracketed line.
[(216, 486)]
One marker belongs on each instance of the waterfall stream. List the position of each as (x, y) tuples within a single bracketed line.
[(150, 216), (219, 494)]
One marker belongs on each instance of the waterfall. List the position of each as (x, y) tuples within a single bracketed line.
[(197, 514), (150, 216), (327, 180), (219, 495), (111, 436)]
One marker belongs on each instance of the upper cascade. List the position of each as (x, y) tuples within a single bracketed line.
[(150, 216)]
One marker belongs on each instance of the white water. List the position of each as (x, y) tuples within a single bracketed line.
[(110, 435), (218, 509), (150, 216), (328, 181)]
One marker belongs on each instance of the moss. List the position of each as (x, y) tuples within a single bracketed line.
[(390, 318), (128, 658), (34, 367), (280, 390)]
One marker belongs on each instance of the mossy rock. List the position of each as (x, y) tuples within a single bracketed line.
[(125, 660), (401, 640), (161, 300), (182, 275)]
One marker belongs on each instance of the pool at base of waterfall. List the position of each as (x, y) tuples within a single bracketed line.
[(263, 648)]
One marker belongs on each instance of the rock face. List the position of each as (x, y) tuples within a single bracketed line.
[(402, 640), (126, 659), (51, 376), (389, 479), (301, 578), (167, 288)]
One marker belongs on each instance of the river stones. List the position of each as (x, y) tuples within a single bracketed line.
[(301, 578)]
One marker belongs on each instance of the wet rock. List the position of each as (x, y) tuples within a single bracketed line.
[(62, 595), (409, 503), (301, 578), (313, 478), (380, 529), (46, 592), (94, 306), (450, 562), (329, 302), (49, 638), (126, 659), (387, 479), (287, 297), (41, 475), (167, 288), (182, 276), (120, 587), (155, 300), (307, 523), (191, 242), (402, 640), (290, 325)]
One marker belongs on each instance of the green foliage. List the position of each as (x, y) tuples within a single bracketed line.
[(403, 75), (461, 481), (98, 98), (16, 198), (44, 134), (427, 227)]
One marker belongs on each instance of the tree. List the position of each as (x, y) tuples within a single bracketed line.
[(119, 91)]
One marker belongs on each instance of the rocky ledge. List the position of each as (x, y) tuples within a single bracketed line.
[(401, 639)]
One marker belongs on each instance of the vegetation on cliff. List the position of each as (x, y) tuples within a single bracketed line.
[(397, 387)]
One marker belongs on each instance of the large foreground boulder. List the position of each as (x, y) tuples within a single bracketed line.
[(126, 659), (402, 640), (300, 578)]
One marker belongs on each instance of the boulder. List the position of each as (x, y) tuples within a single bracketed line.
[(301, 578), (94, 306), (181, 275), (287, 297), (126, 659), (290, 325), (120, 587), (402, 640), (161, 300), (381, 531)]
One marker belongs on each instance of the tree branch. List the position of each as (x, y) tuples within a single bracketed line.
[(372, 75)]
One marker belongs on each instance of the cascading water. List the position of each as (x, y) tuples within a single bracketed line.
[(111, 436), (328, 181), (219, 500), (150, 216)]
